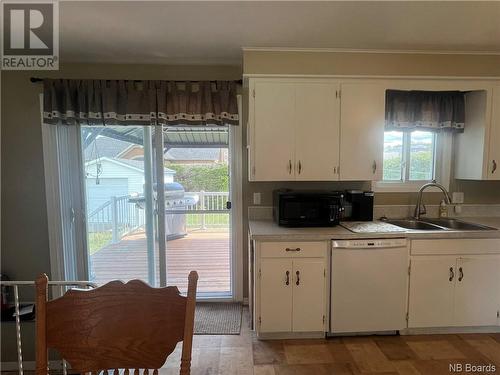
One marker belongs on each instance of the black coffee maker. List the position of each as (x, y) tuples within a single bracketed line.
[(361, 205)]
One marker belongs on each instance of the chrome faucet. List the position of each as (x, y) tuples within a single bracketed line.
[(418, 207)]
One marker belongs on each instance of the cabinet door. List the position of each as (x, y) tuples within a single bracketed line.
[(432, 281), (476, 291), (276, 295), (362, 121), (309, 277), (272, 134), (316, 131), (494, 148)]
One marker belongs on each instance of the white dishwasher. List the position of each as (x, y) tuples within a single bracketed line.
[(369, 285)]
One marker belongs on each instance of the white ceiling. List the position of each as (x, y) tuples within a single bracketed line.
[(214, 32)]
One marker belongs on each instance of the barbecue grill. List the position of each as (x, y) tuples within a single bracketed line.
[(176, 199)]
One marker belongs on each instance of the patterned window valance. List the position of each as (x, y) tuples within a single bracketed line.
[(104, 102), (425, 110)]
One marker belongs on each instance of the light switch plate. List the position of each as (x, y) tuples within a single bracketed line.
[(457, 197), (256, 198)]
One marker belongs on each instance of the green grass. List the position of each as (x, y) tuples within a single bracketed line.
[(214, 220), (97, 240)]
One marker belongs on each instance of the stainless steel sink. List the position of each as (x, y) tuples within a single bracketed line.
[(414, 224), (436, 224), (456, 224)]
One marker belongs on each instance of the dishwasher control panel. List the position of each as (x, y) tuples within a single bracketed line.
[(369, 243)]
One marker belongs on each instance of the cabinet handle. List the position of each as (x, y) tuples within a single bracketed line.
[(287, 278), (292, 249), (289, 167), (494, 167), (461, 276), (298, 278), (300, 167), (452, 274), (374, 166)]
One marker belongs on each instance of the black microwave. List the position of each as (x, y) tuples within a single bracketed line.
[(307, 208)]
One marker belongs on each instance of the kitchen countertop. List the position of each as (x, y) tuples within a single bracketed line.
[(266, 230)]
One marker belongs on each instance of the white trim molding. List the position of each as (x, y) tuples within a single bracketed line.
[(368, 50), (236, 151)]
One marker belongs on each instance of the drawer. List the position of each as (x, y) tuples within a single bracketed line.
[(293, 249)]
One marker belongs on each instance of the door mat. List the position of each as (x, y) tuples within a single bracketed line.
[(218, 318)]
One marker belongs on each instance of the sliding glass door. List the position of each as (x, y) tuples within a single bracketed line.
[(158, 205), (198, 225), (119, 203)]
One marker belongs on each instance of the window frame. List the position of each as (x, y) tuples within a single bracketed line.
[(441, 166)]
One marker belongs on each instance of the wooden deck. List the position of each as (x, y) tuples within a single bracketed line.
[(207, 252)]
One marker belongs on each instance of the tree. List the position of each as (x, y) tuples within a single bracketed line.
[(194, 177)]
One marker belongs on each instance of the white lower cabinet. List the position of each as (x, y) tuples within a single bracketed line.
[(276, 295), (308, 307), (431, 291), (290, 288), (454, 291), (476, 291)]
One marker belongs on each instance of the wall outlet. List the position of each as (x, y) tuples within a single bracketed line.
[(256, 198), (457, 197)]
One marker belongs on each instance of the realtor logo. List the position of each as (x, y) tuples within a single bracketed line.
[(30, 35)]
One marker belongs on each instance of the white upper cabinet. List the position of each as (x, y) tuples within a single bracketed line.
[(362, 119), (316, 132), (477, 151), (293, 130), (494, 147), (272, 134), (325, 129)]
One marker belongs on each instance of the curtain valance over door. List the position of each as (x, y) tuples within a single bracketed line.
[(105, 102), (425, 110)]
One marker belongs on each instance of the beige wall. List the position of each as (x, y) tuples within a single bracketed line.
[(390, 64)]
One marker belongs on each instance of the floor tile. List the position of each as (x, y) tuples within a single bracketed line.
[(488, 347), (307, 354), (435, 350), (268, 352), (395, 348), (368, 357)]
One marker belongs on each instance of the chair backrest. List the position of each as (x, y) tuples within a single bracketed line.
[(115, 326)]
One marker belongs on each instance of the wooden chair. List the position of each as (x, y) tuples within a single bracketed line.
[(116, 326)]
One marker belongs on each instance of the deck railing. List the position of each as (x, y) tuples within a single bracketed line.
[(210, 211), (118, 217)]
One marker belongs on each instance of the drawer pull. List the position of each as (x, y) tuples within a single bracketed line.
[(291, 249), (461, 276), (452, 274), (287, 278), (298, 278)]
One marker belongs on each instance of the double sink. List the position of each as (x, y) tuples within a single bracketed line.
[(436, 224)]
